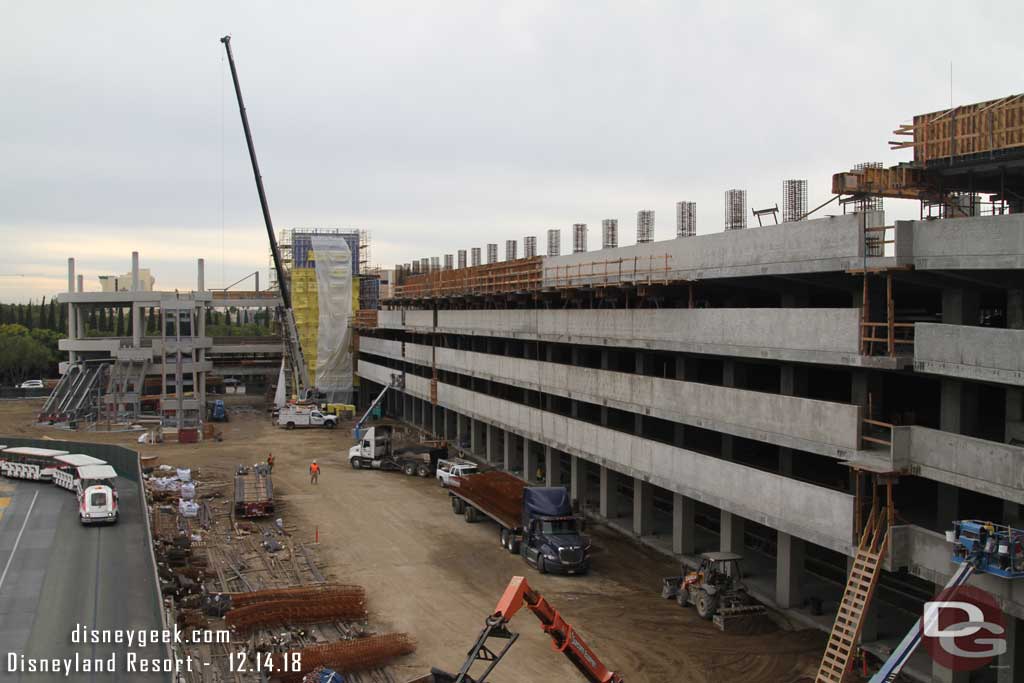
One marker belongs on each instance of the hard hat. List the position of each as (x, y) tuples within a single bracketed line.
[(314, 462)]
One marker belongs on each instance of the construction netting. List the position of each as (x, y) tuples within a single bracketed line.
[(333, 357)]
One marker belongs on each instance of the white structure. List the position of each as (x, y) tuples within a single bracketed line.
[(124, 283)]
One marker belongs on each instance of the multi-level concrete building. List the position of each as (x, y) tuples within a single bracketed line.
[(744, 391), (160, 367)]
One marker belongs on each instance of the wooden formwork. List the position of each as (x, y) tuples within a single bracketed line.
[(980, 128), (521, 275), (653, 269)]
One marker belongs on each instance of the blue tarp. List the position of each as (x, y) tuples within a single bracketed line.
[(544, 501)]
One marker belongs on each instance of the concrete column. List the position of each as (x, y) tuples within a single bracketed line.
[(492, 443), (607, 505), (789, 570), (508, 451), (786, 461), (684, 525), (941, 674), (643, 507), (79, 313), (1007, 671), (947, 503), (529, 461), (957, 406), (1014, 414), (201, 276), (959, 306), (72, 320), (728, 446), (552, 467), (731, 540), (578, 481)]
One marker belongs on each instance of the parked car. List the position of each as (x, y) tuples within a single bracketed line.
[(32, 384)]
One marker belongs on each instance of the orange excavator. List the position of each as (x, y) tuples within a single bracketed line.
[(564, 639)]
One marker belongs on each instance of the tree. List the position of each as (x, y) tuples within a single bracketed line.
[(119, 330), (93, 322), (29, 315), (151, 323), (63, 312), (101, 320), (20, 318)]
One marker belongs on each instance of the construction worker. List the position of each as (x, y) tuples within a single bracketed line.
[(314, 473), (270, 463)]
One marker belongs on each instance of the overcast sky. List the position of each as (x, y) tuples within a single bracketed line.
[(445, 125)]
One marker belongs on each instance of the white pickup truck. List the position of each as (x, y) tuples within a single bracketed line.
[(291, 417), (446, 469)]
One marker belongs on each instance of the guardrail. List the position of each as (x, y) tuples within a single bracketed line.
[(638, 269)]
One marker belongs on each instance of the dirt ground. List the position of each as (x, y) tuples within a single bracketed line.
[(429, 573)]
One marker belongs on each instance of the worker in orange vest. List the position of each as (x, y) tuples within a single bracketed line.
[(270, 463), (314, 473)]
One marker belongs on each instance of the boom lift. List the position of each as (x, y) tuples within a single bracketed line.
[(285, 314), (397, 382), (978, 546), (564, 639)]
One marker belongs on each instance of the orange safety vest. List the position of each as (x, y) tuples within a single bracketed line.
[(314, 469)]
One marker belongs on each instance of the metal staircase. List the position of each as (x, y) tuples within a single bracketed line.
[(74, 396), (860, 586)]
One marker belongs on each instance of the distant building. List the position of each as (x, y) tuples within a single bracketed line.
[(123, 283)]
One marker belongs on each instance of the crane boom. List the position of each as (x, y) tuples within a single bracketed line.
[(564, 638), (291, 336)]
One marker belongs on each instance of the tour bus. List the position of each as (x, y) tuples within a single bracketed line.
[(97, 497)]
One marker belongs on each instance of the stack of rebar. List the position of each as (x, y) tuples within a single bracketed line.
[(326, 607), (499, 492), (349, 656), (298, 593)]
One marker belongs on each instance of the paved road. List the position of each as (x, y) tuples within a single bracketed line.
[(60, 574)]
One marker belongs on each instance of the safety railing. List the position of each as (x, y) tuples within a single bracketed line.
[(653, 269), (885, 338)]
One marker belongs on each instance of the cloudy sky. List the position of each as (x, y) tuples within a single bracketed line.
[(445, 125)]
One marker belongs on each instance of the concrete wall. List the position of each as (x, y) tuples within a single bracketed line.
[(814, 335), (990, 242), (810, 512), (985, 354), (824, 244), (988, 467), (818, 426), (928, 555)]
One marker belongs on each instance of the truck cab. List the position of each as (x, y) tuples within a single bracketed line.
[(372, 447), (552, 538), (446, 469)]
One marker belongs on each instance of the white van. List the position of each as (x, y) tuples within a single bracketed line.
[(97, 497)]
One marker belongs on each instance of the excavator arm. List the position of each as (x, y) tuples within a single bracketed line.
[(564, 638)]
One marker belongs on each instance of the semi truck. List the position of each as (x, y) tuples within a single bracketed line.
[(292, 416), (375, 450), (536, 522)]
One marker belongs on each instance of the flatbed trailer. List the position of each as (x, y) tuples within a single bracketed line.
[(254, 491), (535, 522)]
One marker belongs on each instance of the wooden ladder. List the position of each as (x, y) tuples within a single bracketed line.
[(860, 586)]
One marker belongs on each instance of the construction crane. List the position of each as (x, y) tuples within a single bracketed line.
[(564, 639), (293, 347)]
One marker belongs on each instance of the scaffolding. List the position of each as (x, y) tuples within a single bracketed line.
[(794, 200), (686, 219), (609, 233), (644, 226), (529, 246), (983, 130), (735, 209), (554, 242), (579, 237)]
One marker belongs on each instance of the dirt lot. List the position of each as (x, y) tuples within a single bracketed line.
[(429, 573)]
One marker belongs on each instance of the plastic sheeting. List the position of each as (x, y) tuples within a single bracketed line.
[(333, 375)]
